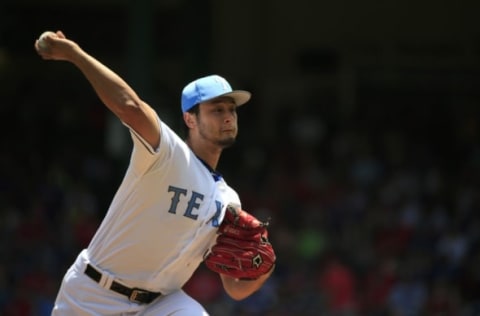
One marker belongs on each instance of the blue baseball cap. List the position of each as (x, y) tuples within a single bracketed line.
[(210, 87)]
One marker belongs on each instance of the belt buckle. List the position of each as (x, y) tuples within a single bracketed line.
[(134, 296)]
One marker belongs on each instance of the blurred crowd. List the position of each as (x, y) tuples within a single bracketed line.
[(370, 215)]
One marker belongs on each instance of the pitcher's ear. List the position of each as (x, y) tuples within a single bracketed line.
[(189, 119)]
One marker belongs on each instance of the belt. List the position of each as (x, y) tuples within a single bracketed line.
[(134, 294)]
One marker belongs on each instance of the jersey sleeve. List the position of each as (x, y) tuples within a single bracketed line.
[(144, 158)]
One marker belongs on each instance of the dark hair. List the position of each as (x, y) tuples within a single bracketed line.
[(185, 130), (194, 109)]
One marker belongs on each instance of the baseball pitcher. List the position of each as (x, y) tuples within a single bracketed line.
[(172, 211)]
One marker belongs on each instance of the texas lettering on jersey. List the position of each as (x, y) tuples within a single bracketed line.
[(192, 205)]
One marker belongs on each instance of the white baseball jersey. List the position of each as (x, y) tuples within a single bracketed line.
[(163, 218)]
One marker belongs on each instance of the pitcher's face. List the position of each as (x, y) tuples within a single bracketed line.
[(216, 121)]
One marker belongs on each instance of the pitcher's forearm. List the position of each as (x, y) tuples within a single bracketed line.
[(114, 92), (241, 289)]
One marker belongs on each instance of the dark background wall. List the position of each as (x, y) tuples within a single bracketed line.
[(361, 142)]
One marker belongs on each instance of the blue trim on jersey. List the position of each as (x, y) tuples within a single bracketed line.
[(216, 175)]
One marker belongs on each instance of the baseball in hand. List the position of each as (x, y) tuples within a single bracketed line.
[(41, 40)]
